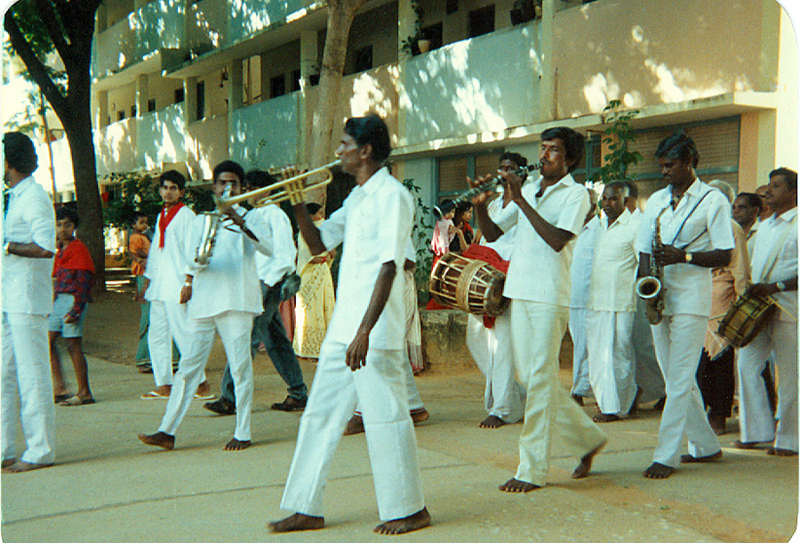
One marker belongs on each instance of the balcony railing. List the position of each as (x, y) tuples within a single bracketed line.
[(266, 134)]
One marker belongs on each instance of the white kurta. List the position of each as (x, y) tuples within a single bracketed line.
[(580, 275)]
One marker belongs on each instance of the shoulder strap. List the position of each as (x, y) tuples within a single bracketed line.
[(776, 250)]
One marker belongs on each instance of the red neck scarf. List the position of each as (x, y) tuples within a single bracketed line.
[(167, 214)]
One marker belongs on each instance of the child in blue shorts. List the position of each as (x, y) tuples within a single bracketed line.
[(73, 275)]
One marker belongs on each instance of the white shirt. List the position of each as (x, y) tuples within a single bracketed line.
[(581, 269), (708, 227), (27, 283), (167, 266), (230, 281), (374, 225), (280, 242), (504, 245), (537, 272), (777, 229), (614, 265)]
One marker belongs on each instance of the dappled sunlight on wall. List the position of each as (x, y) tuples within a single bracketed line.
[(115, 145), (161, 137), (207, 145), (373, 91), (265, 134), (637, 52), (250, 16), (207, 25)]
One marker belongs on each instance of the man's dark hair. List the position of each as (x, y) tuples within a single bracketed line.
[(679, 145), (789, 177), (68, 213), (173, 176), (257, 178), (573, 143), (462, 207), (313, 208), (516, 158), (228, 166), (370, 130), (622, 187), (753, 200), (633, 190), (20, 153)]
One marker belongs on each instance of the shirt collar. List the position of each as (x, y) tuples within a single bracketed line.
[(374, 182), (565, 181), (20, 187), (786, 216), (624, 217)]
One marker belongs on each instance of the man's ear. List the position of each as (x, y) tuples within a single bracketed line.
[(365, 151)]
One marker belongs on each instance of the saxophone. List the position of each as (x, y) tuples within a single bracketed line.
[(650, 288), (208, 239)]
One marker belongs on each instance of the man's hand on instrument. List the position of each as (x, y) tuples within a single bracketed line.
[(357, 352), (483, 197), (291, 171), (669, 255), (764, 289), (513, 184), (233, 215)]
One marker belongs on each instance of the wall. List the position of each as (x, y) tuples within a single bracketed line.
[(207, 146), (273, 121)]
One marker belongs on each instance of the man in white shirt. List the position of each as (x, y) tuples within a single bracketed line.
[(278, 282), (612, 306), (504, 398), (580, 275), (774, 272), (361, 359), (29, 244), (222, 295), (745, 211), (548, 212), (167, 263), (695, 229)]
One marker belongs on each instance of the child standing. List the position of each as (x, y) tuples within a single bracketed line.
[(73, 274), (138, 249)]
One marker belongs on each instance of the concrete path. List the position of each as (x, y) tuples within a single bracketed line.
[(108, 487)]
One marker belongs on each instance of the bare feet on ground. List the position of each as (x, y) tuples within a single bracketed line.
[(19, 467), (418, 520), (236, 445), (492, 422), (689, 459), (603, 417), (658, 471), (354, 426), (159, 439), (585, 465), (774, 451), (297, 522), (8, 462), (419, 415), (515, 485)]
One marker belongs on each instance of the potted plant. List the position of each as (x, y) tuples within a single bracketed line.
[(416, 43), (618, 137)]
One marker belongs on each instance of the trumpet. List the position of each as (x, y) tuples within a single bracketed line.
[(292, 189)]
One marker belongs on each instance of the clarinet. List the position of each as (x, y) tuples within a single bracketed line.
[(489, 185)]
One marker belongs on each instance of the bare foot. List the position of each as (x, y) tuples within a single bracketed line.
[(603, 417), (585, 465), (297, 522), (419, 415), (658, 471), (578, 399), (418, 520), (236, 445), (354, 426), (8, 462), (19, 467), (774, 451), (515, 485), (689, 459), (159, 439), (492, 422)]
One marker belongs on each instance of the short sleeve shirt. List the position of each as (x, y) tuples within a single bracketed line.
[(537, 272), (700, 222), (614, 265), (776, 241), (374, 226)]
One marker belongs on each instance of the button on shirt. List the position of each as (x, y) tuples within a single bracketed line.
[(537, 272), (614, 265), (27, 287), (374, 224), (771, 232), (271, 269), (706, 227)]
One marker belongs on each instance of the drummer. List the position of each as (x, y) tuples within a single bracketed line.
[(548, 212), (774, 269)]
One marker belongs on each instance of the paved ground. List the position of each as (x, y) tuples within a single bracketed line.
[(107, 487)]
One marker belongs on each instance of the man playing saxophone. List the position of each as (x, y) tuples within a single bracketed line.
[(694, 225)]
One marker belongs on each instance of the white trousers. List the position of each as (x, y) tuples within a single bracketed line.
[(234, 329), (756, 422), (168, 322), (503, 398), (379, 387), (678, 340), (580, 353), (27, 388), (611, 360), (414, 399), (649, 378), (537, 331)]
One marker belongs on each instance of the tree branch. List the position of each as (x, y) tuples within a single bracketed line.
[(56, 30)]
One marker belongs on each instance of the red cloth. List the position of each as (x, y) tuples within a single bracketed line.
[(75, 256), (167, 214)]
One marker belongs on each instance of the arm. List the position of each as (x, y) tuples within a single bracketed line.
[(28, 250), (308, 230), (357, 351), (715, 258), (488, 227), (83, 283), (768, 289)]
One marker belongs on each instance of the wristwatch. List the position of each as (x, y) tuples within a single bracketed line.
[(688, 257), (781, 286), (5, 248)]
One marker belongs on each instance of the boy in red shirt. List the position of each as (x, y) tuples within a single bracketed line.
[(73, 275), (138, 249)]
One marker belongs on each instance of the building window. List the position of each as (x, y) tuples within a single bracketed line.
[(277, 86), (433, 33), (120, 115), (295, 80), (201, 100), (133, 110), (362, 59), (481, 21), (179, 96), (151, 105), (451, 7), (451, 171)]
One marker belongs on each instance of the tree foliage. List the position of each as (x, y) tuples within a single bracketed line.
[(618, 138)]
